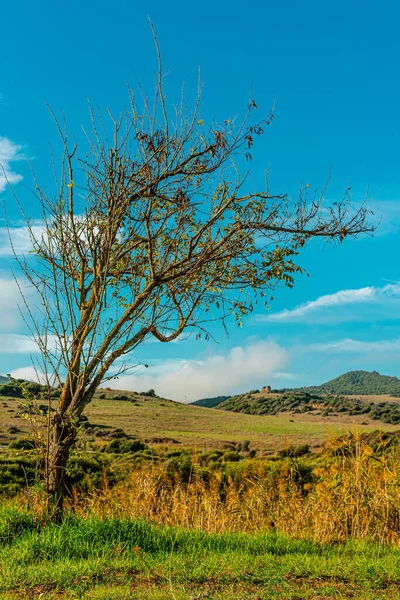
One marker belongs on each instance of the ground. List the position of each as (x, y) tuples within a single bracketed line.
[(205, 428), (139, 561), (92, 556)]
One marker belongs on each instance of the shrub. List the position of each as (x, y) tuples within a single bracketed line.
[(294, 451), (12, 390), (122, 446), (23, 443), (180, 468), (232, 456)]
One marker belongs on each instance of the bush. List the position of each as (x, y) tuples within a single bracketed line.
[(123, 446), (23, 443), (180, 468), (86, 472), (15, 473), (12, 390), (232, 456), (294, 451), (35, 388)]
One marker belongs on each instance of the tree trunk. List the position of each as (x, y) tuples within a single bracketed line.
[(62, 436)]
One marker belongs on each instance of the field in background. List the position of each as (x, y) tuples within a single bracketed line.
[(155, 418)]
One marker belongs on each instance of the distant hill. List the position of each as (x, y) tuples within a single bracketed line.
[(303, 401), (270, 404), (3, 379), (359, 382), (210, 402)]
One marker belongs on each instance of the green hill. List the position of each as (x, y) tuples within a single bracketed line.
[(359, 382), (210, 402), (270, 404), (305, 401)]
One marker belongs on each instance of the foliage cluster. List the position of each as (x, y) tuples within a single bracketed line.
[(17, 387)]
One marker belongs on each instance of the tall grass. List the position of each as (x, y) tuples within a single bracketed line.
[(266, 528), (355, 494)]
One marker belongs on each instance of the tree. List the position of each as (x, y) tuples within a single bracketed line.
[(151, 233)]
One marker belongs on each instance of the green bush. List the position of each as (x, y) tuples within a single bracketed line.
[(122, 446), (294, 451), (232, 456), (180, 468), (23, 443), (12, 390)]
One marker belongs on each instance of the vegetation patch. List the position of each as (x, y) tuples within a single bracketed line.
[(111, 558), (300, 402)]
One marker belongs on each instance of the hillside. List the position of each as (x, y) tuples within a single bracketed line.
[(359, 382), (210, 402), (311, 403)]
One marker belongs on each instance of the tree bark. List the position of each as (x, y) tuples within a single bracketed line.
[(62, 436)]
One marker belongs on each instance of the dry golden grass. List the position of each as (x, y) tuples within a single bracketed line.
[(355, 495)]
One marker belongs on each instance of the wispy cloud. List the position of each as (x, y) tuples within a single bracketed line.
[(20, 238), (284, 375), (188, 379), (30, 374), (387, 215), (9, 153), (10, 299), (349, 345), (19, 343), (321, 308), (15, 343)]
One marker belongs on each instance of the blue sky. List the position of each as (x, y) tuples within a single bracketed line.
[(330, 69)]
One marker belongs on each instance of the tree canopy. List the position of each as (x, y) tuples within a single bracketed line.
[(153, 231)]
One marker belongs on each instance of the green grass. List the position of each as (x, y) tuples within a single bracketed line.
[(121, 559), (205, 428)]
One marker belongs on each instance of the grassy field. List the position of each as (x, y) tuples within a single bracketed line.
[(114, 559), (208, 524), (155, 418)]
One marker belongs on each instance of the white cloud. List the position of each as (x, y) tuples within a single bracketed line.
[(15, 343), (10, 299), (29, 373), (19, 343), (323, 307), (354, 346), (21, 235), (9, 153), (21, 239), (188, 379), (284, 375)]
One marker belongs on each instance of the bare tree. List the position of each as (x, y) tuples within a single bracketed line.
[(151, 232)]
